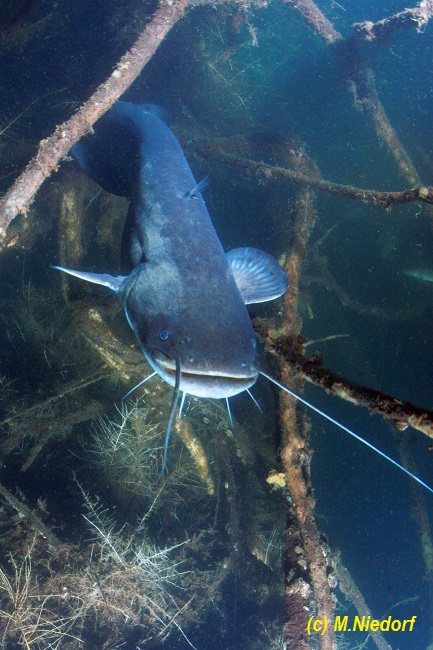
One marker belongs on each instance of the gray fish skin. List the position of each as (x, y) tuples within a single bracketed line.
[(181, 298), (184, 298)]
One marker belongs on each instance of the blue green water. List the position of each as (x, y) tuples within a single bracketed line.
[(218, 82)]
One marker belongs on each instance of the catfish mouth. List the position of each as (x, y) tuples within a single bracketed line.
[(206, 383), (212, 376)]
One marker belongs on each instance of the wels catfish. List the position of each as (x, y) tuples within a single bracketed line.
[(183, 296)]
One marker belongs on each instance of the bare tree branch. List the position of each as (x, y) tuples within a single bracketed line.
[(401, 414), (416, 17), (317, 19), (267, 173), (51, 150)]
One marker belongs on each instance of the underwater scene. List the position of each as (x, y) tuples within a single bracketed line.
[(161, 484)]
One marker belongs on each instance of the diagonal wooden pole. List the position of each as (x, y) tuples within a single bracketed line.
[(19, 197)]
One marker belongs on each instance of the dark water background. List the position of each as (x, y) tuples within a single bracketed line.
[(291, 83)]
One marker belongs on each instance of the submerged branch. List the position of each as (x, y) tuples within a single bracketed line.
[(264, 173), (327, 280), (362, 85), (51, 150), (21, 194), (401, 414), (416, 17), (370, 103), (302, 531), (312, 14), (349, 588), (46, 405), (27, 513)]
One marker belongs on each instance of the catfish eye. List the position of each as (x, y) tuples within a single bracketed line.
[(163, 335)]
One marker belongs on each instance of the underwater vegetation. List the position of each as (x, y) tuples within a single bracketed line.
[(154, 562), (264, 520), (135, 587)]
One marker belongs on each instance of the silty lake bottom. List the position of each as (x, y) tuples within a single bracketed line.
[(266, 531)]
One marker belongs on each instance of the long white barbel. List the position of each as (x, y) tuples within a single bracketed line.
[(346, 429)]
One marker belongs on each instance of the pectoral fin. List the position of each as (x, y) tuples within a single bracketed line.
[(258, 275), (112, 282)]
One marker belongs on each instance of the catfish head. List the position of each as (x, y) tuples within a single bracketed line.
[(208, 335)]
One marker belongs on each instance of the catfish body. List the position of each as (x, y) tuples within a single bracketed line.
[(184, 297)]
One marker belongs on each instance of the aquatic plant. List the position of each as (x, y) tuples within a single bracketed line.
[(29, 617), (127, 449), (121, 581), (138, 584)]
